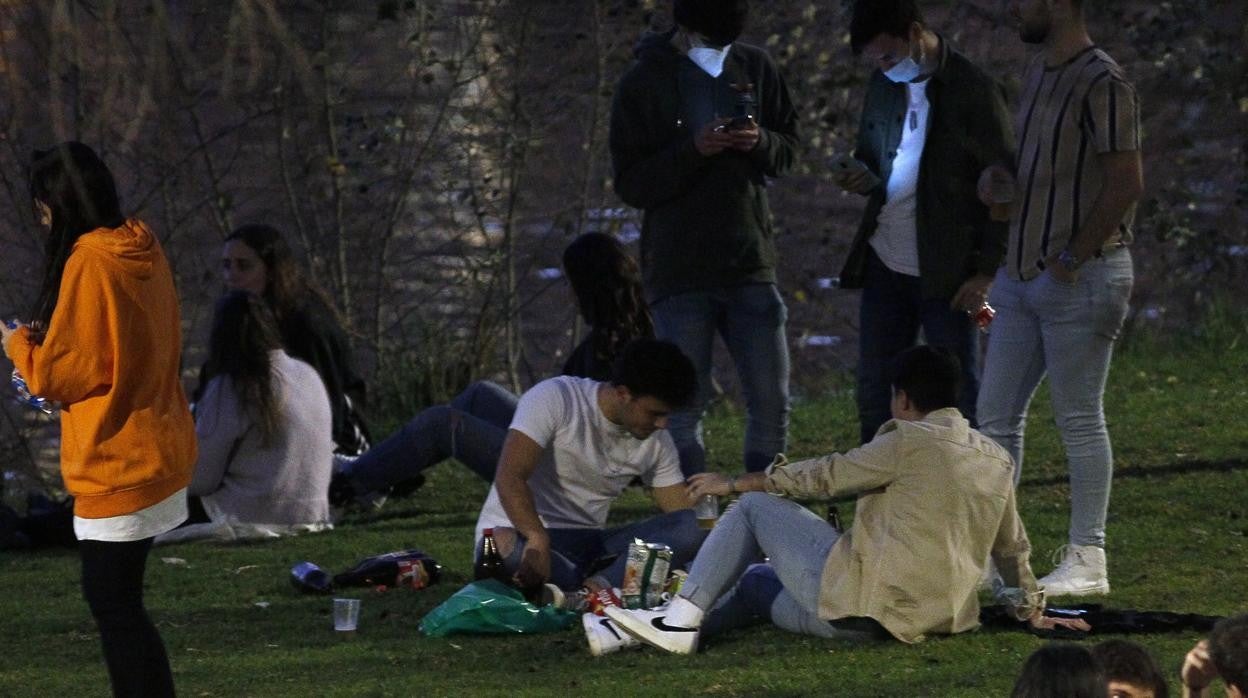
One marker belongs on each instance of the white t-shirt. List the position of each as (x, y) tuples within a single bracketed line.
[(896, 237), (151, 521), (587, 460)]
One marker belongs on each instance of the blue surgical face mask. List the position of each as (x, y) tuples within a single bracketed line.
[(906, 69), (708, 58)]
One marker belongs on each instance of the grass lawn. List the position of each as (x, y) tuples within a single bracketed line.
[(1177, 541)]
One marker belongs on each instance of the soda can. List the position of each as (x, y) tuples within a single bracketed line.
[(983, 317), (633, 590), (675, 580), (657, 567)]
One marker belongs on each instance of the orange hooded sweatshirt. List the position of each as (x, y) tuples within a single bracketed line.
[(111, 357)]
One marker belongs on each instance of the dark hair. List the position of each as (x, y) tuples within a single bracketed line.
[(872, 18), (607, 285), (931, 377), (1130, 663), (720, 21), (72, 181), (1228, 648), (658, 369), (243, 333), (285, 285), (1060, 670)]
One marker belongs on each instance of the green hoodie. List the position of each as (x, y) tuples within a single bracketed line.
[(706, 224)]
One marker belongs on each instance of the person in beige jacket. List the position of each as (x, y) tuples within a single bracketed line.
[(935, 499)]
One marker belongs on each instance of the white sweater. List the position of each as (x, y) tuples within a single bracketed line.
[(285, 482)]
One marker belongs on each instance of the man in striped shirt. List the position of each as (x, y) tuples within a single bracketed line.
[(1061, 295)]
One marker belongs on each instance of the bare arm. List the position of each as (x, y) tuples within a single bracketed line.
[(1122, 185), (516, 464), (671, 498)]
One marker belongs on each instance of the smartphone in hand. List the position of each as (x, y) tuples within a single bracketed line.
[(846, 165)]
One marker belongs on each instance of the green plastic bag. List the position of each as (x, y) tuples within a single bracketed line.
[(489, 607)]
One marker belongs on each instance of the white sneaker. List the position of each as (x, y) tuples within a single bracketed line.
[(604, 637), (1081, 572), (648, 626)]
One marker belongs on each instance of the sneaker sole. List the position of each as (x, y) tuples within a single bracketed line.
[(642, 630), (1091, 590), (595, 628)]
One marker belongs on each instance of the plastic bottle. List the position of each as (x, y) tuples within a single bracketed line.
[(310, 579), (489, 564), (407, 568)]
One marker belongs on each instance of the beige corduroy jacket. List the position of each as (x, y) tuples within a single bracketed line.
[(934, 499)]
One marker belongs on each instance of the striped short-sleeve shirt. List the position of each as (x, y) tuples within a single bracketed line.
[(1069, 114)]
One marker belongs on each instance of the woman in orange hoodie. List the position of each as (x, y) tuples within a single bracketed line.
[(105, 343)]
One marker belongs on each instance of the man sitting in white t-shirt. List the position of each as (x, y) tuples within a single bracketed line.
[(574, 445)]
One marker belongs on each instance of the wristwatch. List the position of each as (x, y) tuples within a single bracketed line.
[(1069, 261)]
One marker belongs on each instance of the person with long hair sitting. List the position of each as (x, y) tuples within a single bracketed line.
[(257, 259), (263, 424), (607, 285), (105, 342)]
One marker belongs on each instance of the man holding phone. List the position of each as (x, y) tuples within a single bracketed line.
[(699, 123), (926, 250)]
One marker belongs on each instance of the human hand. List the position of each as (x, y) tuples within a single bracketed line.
[(714, 138), (534, 566), (7, 328), (856, 181), (701, 484), (972, 294), (745, 138), (1059, 271), (1039, 621), (996, 185), (1198, 670), (996, 189)]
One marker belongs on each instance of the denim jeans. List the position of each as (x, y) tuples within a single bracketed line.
[(471, 429), (573, 551), (751, 321), (891, 312), (1067, 331), (725, 579)]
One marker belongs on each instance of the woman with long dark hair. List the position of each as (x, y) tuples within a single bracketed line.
[(105, 342), (256, 258), (263, 424), (607, 285)]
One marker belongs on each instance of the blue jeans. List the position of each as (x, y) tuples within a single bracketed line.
[(471, 429), (1067, 331), (573, 551), (891, 312), (750, 319), (738, 592)]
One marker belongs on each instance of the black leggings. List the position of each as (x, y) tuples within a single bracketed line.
[(112, 583)]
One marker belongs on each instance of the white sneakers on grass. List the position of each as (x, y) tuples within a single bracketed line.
[(604, 637), (1081, 572), (648, 626)]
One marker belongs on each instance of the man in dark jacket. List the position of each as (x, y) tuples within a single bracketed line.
[(926, 251), (698, 125)]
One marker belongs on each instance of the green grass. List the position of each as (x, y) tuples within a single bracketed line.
[(1177, 541)]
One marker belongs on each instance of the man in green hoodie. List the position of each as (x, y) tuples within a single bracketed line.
[(699, 123)]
